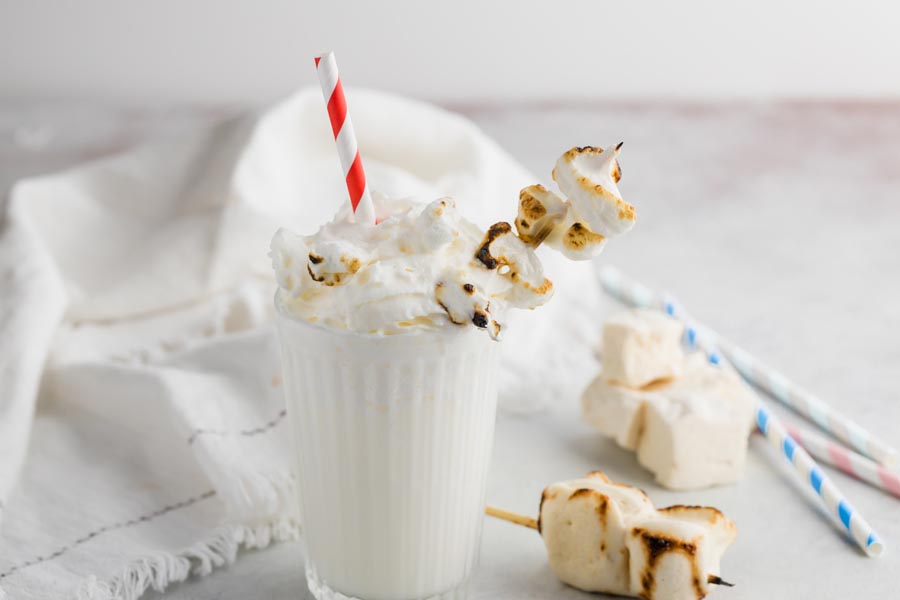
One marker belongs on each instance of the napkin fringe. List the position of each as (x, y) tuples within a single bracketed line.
[(159, 570)]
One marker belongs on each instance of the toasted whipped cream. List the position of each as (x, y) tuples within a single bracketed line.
[(422, 267)]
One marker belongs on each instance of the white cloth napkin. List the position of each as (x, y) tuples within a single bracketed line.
[(142, 436)]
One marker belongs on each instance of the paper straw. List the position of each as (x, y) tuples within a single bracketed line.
[(345, 138), (760, 374), (804, 465), (847, 460), (861, 532), (635, 294)]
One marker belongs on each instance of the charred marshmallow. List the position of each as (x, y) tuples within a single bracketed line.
[(608, 537)]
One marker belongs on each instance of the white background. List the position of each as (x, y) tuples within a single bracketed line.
[(208, 51)]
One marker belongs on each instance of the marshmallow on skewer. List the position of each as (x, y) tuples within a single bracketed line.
[(464, 302), (690, 431), (575, 240), (514, 260), (587, 177), (540, 212), (641, 346), (607, 537), (579, 226), (544, 216)]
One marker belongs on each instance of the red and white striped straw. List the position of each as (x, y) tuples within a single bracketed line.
[(846, 460), (345, 138)]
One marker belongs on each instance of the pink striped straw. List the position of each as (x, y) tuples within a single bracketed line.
[(846, 460), (345, 138)]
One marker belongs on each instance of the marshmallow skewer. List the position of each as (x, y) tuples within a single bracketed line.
[(847, 460), (760, 374), (603, 536), (345, 138), (531, 523), (636, 294)]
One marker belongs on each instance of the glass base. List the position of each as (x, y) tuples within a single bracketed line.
[(320, 590)]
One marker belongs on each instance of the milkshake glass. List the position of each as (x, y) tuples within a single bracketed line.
[(392, 437)]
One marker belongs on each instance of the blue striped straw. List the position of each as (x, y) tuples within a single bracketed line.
[(777, 435), (762, 375), (632, 293)]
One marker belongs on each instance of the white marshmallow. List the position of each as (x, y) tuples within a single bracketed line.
[(588, 177), (690, 432), (516, 262), (465, 302), (617, 411), (607, 537), (641, 346), (698, 436)]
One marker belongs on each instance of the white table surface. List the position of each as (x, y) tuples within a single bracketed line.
[(777, 225)]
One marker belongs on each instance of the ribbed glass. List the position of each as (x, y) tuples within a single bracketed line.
[(392, 441)]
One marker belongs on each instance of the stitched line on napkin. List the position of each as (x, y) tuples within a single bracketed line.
[(244, 432), (96, 532)]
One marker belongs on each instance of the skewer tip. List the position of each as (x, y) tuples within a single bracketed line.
[(619, 146), (716, 580)]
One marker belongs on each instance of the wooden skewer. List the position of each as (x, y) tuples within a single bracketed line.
[(715, 579), (512, 517)]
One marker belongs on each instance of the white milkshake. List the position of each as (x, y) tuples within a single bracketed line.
[(389, 345), (391, 393)]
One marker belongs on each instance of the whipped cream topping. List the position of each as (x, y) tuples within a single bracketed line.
[(422, 267)]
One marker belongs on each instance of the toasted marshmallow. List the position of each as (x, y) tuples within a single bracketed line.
[(690, 432), (514, 260), (575, 240), (540, 212), (466, 303), (331, 262), (608, 537), (588, 178), (641, 346)]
